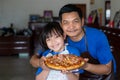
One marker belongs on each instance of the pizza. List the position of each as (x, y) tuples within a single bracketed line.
[(64, 62)]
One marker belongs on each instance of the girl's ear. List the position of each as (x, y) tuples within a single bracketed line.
[(60, 24), (64, 35)]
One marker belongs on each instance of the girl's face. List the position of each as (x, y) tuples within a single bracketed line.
[(55, 42)]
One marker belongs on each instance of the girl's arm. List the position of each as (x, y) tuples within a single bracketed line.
[(70, 75), (73, 76), (43, 75)]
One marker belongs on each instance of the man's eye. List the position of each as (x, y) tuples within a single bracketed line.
[(65, 22), (76, 21)]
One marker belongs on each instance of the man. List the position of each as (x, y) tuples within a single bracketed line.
[(91, 42)]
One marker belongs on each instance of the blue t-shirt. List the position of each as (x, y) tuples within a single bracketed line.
[(70, 49), (98, 45)]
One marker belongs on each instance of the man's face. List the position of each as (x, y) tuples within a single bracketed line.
[(72, 24)]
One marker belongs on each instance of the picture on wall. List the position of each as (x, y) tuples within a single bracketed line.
[(48, 14), (92, 2)]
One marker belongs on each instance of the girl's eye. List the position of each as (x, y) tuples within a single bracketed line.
[(47, 39), (56, 36)]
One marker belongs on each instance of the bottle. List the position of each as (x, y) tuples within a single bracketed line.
[(12, 28)]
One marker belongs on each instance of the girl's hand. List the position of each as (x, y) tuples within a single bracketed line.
[(42, 64), (66, 71)]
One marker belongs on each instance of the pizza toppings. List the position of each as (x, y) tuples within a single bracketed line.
[(64, 62)]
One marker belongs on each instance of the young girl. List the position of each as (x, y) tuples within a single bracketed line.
[(52, 38)]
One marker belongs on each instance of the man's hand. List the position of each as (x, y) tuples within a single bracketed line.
[(85, 65)]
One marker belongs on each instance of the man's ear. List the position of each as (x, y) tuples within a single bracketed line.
[(83, 21)]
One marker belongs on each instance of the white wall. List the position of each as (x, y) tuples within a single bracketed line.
[(0, 11), (18, 11), (0, 14)]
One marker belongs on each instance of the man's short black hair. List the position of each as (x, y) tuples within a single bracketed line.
[(70, 8)]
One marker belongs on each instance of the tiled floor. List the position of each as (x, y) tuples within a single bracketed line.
[(16, 68)]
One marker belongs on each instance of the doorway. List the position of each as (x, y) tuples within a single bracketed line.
[(107, 12)]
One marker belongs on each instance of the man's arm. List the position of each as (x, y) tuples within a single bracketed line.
[(103, 69), (34, 61)]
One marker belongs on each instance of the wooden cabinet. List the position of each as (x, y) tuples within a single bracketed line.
[(15, 45), (36, 28)]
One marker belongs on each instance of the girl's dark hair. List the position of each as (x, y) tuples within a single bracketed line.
[(48, 30), (70, 8)]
